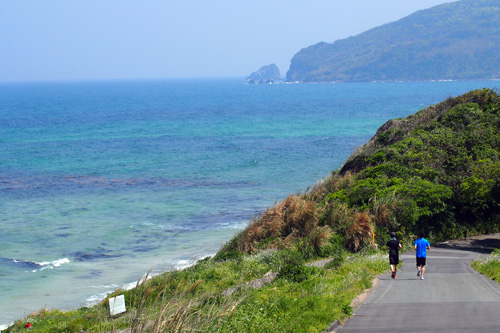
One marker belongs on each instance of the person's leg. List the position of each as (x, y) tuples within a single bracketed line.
[(393, 261), (419, 266), (392, 271), (422, 263)]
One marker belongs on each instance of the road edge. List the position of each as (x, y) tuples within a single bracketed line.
[(355, 304)]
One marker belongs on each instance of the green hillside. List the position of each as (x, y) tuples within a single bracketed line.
[(437, 170), (458, 40)]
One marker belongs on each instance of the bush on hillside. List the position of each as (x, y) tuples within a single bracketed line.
[(437, 170)]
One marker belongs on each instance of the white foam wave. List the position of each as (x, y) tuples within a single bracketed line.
[(238, 225), (51, 264), (94, 299), (168, 227), (181, 264), (55, 263)]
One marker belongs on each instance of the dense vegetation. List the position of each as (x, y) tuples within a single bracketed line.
[(457, 40), (437, 170)]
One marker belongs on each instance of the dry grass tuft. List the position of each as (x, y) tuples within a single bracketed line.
[(40, 312), (360, 233), (298, 215), (319, 237), (267, 226), (340, 215), (330, 184), (281, 224)]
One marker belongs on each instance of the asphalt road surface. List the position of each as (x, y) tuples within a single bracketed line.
[(451, 298)]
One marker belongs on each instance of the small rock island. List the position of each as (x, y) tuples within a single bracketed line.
[(266, 74)]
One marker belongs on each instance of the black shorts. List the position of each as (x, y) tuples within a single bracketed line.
[(420, 261), (393, 260)]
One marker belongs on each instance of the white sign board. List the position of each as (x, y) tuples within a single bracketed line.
[(117, 305)]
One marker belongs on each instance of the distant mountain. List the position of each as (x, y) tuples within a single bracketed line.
[(269, 73), (458, 40)]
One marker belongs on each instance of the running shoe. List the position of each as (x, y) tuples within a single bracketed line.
[(418, 272), (421, 278)]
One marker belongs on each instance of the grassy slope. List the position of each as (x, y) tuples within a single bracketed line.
[(300, 299), (437, 170)]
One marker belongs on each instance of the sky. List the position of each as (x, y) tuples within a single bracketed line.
[(61, 40)]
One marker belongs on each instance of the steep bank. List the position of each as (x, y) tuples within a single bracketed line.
[(437, 170)]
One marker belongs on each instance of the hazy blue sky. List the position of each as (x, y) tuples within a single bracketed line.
[(120, 39)]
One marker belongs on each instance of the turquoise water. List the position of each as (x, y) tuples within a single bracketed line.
[(101, 181)]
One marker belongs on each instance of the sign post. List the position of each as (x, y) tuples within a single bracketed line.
[(117, 305)]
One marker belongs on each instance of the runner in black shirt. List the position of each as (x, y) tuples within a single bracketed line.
[(393, 246)]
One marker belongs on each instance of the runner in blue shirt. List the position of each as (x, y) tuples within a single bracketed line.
[(421, 246)]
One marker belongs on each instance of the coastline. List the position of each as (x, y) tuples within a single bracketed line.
[(135, 215), (94, 299)]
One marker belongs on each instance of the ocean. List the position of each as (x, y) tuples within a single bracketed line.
[(102, 181)]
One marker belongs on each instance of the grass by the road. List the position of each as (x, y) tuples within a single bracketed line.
[(300, 299), (489, 265)]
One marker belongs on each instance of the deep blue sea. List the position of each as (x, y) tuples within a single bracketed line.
[(102, 181)]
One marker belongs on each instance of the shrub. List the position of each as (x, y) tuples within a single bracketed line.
[(360, 233), (296, 273)]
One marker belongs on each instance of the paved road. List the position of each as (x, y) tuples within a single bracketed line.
[(452, 298)]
